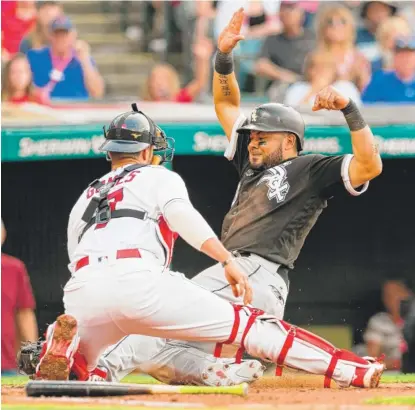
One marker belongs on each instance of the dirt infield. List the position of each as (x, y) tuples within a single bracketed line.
[(304, 391)]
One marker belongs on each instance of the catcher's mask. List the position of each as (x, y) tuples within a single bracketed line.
[(133, 132)]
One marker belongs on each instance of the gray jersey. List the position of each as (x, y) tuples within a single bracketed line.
[(274, 209)]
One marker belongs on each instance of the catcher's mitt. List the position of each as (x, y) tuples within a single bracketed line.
[(28, 357)]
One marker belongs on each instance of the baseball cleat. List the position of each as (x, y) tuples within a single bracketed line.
[(245, 372), (216, 375), (231, 374), (368, 378), (56, 358)]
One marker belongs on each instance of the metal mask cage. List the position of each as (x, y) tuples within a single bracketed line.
[(155, 137)]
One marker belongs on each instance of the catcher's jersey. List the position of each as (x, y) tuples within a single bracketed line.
[(274, 209), (147, 189)]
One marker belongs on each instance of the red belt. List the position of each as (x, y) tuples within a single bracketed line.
[(121, 254)]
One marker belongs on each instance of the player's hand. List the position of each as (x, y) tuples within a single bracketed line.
[(231, 34), (330, 99), (239, 282)]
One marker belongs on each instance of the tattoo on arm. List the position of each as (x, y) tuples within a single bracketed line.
[(224, 85), (375, 148)]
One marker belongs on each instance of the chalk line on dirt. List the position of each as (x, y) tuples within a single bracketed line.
[(65, 401)]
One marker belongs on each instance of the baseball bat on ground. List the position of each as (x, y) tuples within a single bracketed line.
[(49, 388)]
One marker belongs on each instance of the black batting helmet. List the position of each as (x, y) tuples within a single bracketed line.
[(274, 117), (133, 132)]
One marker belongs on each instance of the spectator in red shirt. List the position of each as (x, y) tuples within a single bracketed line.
[(16, 22), (18, 321), (17, 85), (8, 6), (163, 83)]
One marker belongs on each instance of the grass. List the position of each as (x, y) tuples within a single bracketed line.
[(398, 378), (14, 380), (143, 379), (398, 400)]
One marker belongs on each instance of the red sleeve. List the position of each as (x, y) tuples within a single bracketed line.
[(183, 96), (8, 7), (25, 299)]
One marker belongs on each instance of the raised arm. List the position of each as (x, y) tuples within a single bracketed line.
[(366, 163), (226, 93)]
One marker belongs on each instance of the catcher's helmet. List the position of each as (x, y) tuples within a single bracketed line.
[(133, 132), (274, 117)]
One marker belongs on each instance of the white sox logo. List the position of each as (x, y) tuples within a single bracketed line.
[(276, 179), (254, 116)]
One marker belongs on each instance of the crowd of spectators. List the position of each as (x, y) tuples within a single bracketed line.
[(291, 50), (371, 56), (42, 59)]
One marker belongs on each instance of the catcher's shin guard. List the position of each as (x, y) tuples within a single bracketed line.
[(367, 373), (56, 358), (302, 350)]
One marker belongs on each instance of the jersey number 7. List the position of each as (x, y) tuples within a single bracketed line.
[(113, 198)]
